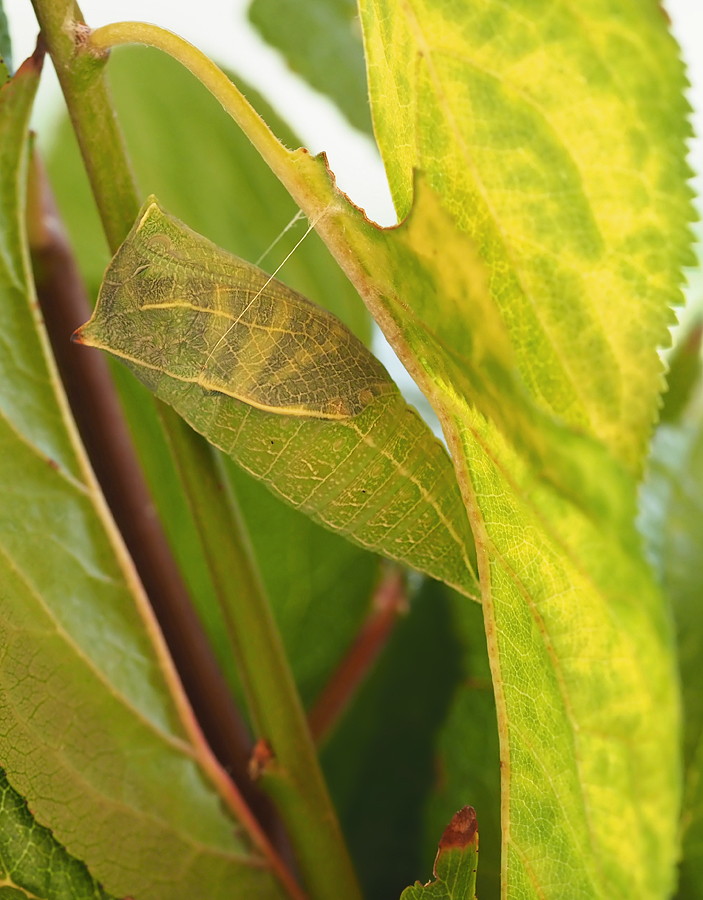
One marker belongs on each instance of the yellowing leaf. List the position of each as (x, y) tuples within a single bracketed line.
[(555, 136)]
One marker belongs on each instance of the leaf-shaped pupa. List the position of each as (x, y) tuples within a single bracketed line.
[(221, 322), (342, 445)]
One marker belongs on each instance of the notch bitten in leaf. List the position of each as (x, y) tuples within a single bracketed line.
[(456, 862)]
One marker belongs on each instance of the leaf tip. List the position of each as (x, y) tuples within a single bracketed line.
[(461, 831)]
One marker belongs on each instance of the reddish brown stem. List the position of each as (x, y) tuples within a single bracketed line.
[(389, 602), (96, 408)]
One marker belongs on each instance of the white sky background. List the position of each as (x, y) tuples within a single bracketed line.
[(221, 29)]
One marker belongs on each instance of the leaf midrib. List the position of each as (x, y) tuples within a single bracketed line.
[(176, 743)]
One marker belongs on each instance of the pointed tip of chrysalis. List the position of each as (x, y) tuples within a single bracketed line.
[(461, 831)]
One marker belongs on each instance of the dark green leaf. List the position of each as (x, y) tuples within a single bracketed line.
[(33, 861), (380, 762)]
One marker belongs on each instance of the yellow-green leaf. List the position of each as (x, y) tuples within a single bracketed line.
[(555, 136)]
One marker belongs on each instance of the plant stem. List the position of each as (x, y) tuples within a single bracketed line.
[(389, 603), (292, 775), (105, 435), (294, 778), (214, 79), (312, 193)]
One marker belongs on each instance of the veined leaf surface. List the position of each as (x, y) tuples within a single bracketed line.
[(32, 862), (555, 136), (92, 727), (556, 141), (379, 476), (588, 734)]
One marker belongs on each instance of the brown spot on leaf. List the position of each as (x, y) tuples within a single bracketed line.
[(461, 830)]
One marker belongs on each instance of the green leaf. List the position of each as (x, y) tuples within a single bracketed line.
[(32, 862), (321, 40), (455, 866), (168, 307), (556, 139), (232, 197), (588, 737), (320, 585), (588, 734), (5, 47), (672, 519), (380, 763), (94, 730)]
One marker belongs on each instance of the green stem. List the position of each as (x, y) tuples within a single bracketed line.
[(313, 199), (294, 777)]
